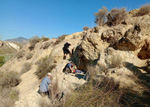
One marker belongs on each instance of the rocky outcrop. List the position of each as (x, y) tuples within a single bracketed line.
[(89, 50), (145, 51), (112, 35), (133, 38)]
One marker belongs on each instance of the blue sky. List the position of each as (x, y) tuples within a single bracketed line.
[(52, 18)]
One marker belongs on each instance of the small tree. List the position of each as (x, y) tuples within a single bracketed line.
[(101, 16)]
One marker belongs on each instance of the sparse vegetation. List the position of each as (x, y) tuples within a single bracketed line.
[(20, 54), (44, 38), (115, 61), (60, 39), (116, 16), (8, 94), (145, 9), (45, 65), (101, 16), (85, 28), (2, 60), (9, 79), (26, 67), (29, 56), (33, 41), (96, 94)]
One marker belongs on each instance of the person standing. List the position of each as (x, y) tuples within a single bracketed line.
[(66, 49)]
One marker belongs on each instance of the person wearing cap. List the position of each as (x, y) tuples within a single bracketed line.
[(44, 90), (69, 67)]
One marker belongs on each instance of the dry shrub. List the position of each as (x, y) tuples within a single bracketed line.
[(101, 16), (9, 79), (45, 65), (85, 28), (117, 16), (115, 61), (145, 9), (54, 91), (46, 45), (20, 54), (8, 94), (26, 67), (29, 55), (95, 94), (44, 38), (33, 41), (60, 39)]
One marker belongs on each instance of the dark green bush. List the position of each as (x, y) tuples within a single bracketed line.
[(2, 60)]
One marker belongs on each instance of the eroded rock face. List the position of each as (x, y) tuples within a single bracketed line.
[(89, 50), (133, 39), (111, 35), (145, 51)]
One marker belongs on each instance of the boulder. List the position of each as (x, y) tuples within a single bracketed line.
[(133, 38), (89, 50)]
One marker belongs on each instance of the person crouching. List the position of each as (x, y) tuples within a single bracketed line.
[(44, 87)]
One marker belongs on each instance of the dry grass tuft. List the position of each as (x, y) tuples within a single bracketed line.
[(26, 67), (101, 16), (117, 16), (104, 94), (145, 9), (45, 65)]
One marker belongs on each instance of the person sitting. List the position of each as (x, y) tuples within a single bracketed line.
[(44, 87), (66, 50), (69, 68)]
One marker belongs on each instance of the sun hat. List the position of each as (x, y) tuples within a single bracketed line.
[(49, 74)]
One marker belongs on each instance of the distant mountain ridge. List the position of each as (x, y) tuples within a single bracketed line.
[(19, 40)]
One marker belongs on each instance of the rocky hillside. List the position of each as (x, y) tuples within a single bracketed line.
[(118, 52), (8, 47)]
